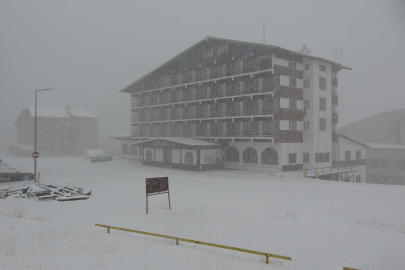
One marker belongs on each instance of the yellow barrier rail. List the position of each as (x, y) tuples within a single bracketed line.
[(267, 255), (348, 268)]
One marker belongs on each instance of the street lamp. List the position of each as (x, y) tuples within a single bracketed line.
[(35, 134)]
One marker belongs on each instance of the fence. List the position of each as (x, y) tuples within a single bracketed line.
[(267, 255)]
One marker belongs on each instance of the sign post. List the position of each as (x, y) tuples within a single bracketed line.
[(155, 186)]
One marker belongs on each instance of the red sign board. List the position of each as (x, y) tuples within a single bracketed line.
[(35, 155)]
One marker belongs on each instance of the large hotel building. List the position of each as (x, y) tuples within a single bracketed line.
[(266, 108)]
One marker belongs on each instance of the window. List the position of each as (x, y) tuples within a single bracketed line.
[(293, 125), (306, 66), (322, 124), (189, 158), (232, 154), (293, 82), (347, 155), (83, 133), (322, 83), (322, 68), (83, 124), (306, 104), (148, 155), (269, 157), (322, 104), (250, 156), (42, 133), (306, 125), (306, 83), (323, 157), (292, 158), (305, 157), (56, 145), (56, 136), (42, 123), (293, 104), (41, 142), (92, 142), (292, 65), (358, 154), (358, 178), (93, 124)]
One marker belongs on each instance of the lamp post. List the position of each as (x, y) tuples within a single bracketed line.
[(35, 133)]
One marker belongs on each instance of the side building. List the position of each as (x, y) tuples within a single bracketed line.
[(60, 131), (387, 127), (271, 109)]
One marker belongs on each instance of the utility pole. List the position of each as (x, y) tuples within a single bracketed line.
[(35, 134)]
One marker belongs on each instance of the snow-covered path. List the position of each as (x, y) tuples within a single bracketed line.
[(320, 224)]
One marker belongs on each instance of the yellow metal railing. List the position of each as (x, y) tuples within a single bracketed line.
[(348, 268), (267, 255)]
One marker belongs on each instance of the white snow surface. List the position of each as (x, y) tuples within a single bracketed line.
[(320, 224), (95, 153), (386, 145), (49, 112), (59, 112)]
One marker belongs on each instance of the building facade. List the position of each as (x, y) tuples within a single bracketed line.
[(270, 108), (386, 164), (60, 131)]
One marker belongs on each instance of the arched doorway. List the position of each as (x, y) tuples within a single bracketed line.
[(232, 154), (269, 157), (125, 149), (250, 156), (133, 150)]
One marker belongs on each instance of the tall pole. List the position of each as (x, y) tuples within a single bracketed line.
[(35, 134), (264, 33), (35, 139)]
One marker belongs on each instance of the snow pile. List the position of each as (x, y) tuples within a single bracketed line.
[(44, 192)]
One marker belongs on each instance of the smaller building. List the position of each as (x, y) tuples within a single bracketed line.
[(181, 153), (352, 156), (386, 164), (60, 131)]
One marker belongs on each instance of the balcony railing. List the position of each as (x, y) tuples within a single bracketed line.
[(213, 93), (252, 133), (204, 115)]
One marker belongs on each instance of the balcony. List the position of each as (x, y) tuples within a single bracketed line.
[(201, 115)]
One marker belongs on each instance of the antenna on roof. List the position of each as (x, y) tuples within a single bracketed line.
[(264, 33), (336, 53)]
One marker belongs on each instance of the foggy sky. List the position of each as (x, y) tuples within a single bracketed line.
[(89, 50)]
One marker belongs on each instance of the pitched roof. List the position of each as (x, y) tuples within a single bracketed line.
[(59, 112), (353, 140), (180, 141), (128, 88)]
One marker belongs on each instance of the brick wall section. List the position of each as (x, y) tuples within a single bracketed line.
[(334, 137), (289, 92), (289, 136), (334, 118), (290, 72), (335, 100), (289, 114)]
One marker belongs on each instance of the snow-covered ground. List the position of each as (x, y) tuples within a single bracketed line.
[(320, 224)]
